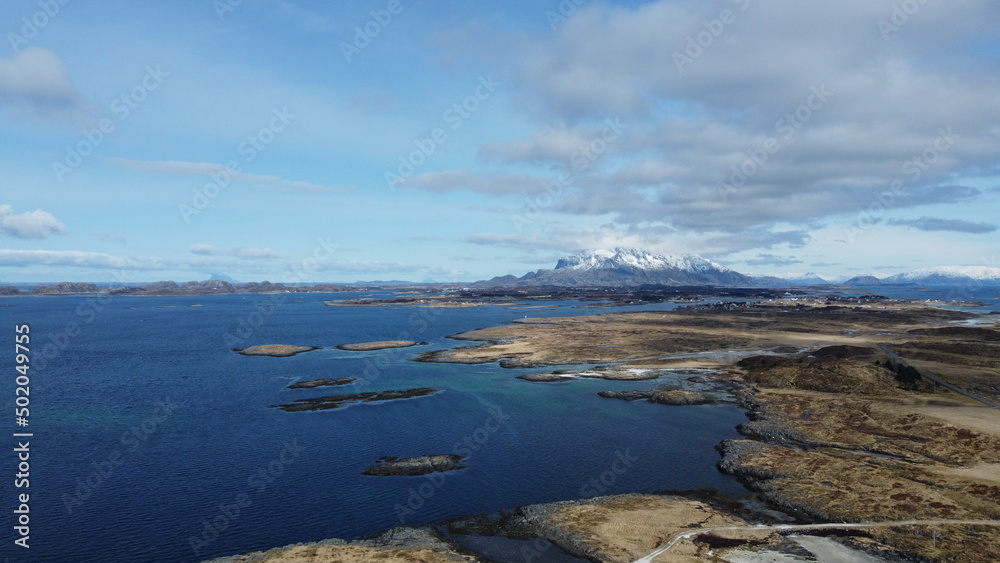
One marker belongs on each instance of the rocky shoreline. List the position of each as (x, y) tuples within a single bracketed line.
[(835, 434), (411, 544)]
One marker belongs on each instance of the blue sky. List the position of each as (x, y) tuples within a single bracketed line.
[(455, 141)]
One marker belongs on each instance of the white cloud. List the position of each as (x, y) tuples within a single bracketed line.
[(256, 254), (72, 258), (203, 249), (556, 236), (38, 80), (521, 242), (557, 144), (772, 260), (30, 224), (211, 169), (938, 224), (845, 112), (472, 181)]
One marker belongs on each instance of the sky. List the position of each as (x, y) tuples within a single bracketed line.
[(309, 141)]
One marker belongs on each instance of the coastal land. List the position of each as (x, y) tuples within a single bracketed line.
[(872, 432), (380, 345)]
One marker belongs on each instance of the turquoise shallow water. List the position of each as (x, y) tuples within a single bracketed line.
[(154, 442)]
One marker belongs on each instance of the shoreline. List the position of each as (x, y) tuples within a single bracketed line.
[(802, 455)]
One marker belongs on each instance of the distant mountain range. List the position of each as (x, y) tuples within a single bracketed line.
[(629, 267), (943, 276), (619, 268)]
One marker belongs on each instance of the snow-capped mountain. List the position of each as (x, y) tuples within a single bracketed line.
[(632, 258), (628, 267), (948, 275)]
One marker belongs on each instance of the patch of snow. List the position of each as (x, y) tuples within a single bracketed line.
[(973, 272), (639, 259)]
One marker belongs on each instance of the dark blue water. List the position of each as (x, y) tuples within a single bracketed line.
[(154, 442)]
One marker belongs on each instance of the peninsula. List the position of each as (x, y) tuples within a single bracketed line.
[(857, 441)]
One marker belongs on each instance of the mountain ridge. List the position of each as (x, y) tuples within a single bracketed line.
[(627, 267)]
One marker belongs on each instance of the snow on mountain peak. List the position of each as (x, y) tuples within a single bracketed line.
[(973, 272), (639, 259)]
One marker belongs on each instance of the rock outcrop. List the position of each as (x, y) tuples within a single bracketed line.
[(326, 382), (677, 398), (336, 401), (411, 466), (274, 350)]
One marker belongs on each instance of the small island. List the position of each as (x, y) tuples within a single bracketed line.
[(617, 373), (274, 350), (380, 345), (413, 466), (546, 377), (325, 382), (673, 397), (336, 401)]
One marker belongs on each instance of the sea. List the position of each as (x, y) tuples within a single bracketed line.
[(148, 439)]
